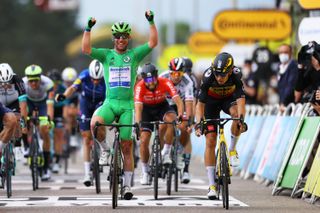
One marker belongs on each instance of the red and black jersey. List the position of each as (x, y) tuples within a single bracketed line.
[(143, 95)]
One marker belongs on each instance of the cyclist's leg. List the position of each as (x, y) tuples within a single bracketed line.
[(58, 138), (104, 115), (44, 133), (211, 111), (9, 123), (168, 136)]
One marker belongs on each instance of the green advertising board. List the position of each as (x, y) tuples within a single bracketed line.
[(314, 174), (301, 152)]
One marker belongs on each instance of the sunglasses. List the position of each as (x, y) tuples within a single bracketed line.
[(176, 73), (33, 81), (119, 35), (150, 80)]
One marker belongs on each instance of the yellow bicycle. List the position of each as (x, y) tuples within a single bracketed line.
[(223, 171)]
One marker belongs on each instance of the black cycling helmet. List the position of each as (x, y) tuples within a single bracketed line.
[(176, 64), (187, 64), (222, 64), (54, 75), (149, 70)]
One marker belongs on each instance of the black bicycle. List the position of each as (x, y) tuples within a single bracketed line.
[(223, 170), (116, 165), (7, 167), (35, 159)]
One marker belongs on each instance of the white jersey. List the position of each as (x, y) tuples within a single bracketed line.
[(184, 87), (41, 93)]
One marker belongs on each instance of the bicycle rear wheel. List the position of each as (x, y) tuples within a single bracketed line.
[(224, 172), (96, 167), (9, 169), (34, 162), (115, 178), (155, 166), (169, 177)]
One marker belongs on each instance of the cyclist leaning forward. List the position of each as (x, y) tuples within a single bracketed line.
[(221, 89), (184, 86), (40, 96), (11, 92), (120, 66), (151, 105)]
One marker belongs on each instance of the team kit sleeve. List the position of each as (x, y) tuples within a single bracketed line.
[(138, 93), (189, 95), (99, 54), (142, 51)]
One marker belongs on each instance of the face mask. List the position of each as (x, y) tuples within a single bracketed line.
[(284, 58)]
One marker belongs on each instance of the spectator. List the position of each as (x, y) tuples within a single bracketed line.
[(250, 82), (287, 76)]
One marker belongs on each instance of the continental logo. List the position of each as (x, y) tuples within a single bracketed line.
[(252, 25)]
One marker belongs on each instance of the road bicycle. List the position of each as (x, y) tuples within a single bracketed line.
[(223, 171), (7, 167), (35, 159), (116, 165)]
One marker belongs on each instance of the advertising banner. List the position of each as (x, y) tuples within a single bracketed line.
[(261, 143), (314, 174), (301, 152), (280, 147)]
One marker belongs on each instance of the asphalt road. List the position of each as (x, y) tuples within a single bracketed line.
[(66, 193)]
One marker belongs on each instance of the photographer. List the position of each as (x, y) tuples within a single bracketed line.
[(308, 84)]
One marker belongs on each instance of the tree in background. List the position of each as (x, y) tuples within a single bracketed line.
[(33, 36)]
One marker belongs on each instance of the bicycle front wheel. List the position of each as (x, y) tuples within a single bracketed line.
[(224, 173), (34, 162), (9, 169), (96, 167), (115, 179)]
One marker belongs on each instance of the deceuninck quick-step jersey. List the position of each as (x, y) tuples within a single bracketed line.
[(120, 70)]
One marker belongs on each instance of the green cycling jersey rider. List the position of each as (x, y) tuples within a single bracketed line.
[(120, 71)]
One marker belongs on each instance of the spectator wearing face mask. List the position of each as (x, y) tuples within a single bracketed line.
[(250, 82), (287, 76)]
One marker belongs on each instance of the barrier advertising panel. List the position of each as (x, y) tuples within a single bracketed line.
[(314, 174), (301, 152)]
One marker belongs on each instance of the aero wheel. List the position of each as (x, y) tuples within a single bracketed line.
[(224, 175), (156, 167), (175, 167), (96, 168), (34, 162), (8, 169), (169, 177), (115, 178)]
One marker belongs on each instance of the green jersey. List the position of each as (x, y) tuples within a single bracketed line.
[(120, 70)]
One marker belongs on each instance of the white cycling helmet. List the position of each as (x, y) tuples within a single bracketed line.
[(96, 69), (69, 74), (6, 73)]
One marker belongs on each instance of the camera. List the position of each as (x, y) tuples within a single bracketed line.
[(306, 52)]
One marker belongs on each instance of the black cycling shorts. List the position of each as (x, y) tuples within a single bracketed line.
[(154, 113)]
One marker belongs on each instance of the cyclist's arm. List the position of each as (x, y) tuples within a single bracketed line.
[(23, 109), (50, 103), (241, 102), (69, 91), (138, 107), (189, 108), (153, 37), (177, 100), (199, 111), (86, 43)]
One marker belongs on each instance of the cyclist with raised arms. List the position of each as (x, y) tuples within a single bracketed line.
[(120, 71), (69, 75), (91, 85), (40, 97), (11, 91), (221, 89), (151, 105), (184, 86)]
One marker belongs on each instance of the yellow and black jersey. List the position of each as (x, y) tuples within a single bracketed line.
[(210, 89)]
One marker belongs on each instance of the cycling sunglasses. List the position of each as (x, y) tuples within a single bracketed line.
[(121, 35), (150, 80)]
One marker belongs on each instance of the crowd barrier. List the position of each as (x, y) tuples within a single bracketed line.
[(279, 148)]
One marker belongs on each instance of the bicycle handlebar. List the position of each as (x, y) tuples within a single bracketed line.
[(222, 122), (136, 126)]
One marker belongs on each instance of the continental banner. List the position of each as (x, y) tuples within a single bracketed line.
[(314, 174), (301, 152)]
